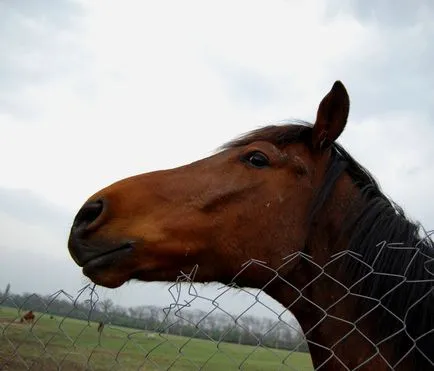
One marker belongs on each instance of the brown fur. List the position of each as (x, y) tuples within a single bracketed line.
[(29, 317)]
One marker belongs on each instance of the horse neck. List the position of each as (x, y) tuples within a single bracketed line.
[(317, 298)]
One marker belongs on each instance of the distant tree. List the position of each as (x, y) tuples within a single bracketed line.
[(7, 290), (5, 295), (119, 311), (106, 306), (141, 312), (132, 311)]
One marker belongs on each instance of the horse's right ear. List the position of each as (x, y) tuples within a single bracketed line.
[(331, 117)]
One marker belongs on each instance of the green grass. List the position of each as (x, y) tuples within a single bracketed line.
[(76, 345)]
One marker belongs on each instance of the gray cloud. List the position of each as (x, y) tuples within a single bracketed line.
[(36, 45), (33, 248), (393, 73), (385, 13), (244, 86), (398, 73), (26, 206), (32, 272)]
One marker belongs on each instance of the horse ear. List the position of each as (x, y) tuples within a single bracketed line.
[(331, 117)]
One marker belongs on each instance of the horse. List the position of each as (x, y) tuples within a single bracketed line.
[(100, 327), (28, 317), (355, 271)]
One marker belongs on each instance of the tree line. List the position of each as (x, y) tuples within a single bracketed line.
[(216, 326)]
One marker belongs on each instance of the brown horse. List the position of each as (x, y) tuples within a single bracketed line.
[(28, 317), (100, 330), (292, 197), (100, 327)]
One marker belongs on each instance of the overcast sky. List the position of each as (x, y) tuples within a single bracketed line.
[(95, 91)]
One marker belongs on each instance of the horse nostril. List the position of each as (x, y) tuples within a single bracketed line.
[(88, 214)]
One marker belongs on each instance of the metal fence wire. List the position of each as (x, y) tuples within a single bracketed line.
[(84, 332)]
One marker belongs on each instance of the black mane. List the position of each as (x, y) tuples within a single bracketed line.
[(395, 269)]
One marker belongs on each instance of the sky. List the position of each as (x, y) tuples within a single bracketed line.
[(95, 91)]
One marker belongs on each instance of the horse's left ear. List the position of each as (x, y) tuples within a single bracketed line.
[(331, 117)]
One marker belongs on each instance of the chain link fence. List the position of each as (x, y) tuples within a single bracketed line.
[(83, 332)]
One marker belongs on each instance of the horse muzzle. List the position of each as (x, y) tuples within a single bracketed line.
[(91, 252)]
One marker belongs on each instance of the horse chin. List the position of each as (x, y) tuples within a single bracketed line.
[(109, 279), (111, 271), (116, 275)]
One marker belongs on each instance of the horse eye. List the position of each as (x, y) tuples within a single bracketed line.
[(257, 159)]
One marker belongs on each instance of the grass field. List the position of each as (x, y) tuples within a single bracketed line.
[(76, 345)]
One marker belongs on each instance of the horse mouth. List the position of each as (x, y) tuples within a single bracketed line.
[(99, 256), (107, 259)]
